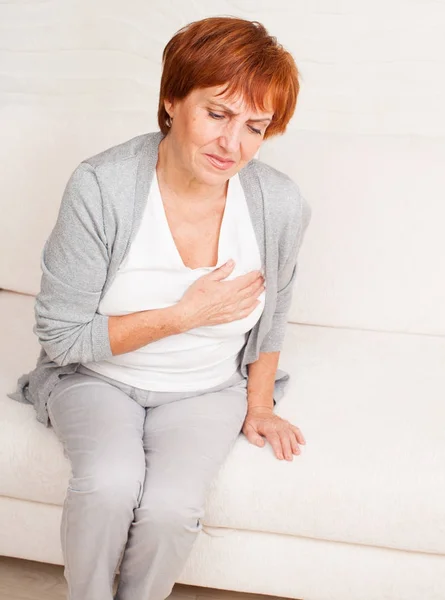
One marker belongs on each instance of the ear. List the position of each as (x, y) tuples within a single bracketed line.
[(168, 105)]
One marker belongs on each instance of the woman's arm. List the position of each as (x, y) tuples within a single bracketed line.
[(131, 332), (286, 280), (74, 265), (261, 380)]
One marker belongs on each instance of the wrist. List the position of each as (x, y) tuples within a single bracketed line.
[(260, 407), (177, 318), (180, 318)]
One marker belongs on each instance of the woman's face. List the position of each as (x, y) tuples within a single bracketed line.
[(214, 137)]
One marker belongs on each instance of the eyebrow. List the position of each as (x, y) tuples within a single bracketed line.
[(234, 114)]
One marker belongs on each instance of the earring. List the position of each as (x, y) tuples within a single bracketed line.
[(169, 121)]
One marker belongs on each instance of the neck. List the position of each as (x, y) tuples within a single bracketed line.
[(180, 183)]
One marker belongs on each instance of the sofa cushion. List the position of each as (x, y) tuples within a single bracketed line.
[(370, 405)]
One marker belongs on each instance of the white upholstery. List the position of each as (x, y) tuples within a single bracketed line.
[(369, 403), (374, 254), (249, 561), (38, 168)]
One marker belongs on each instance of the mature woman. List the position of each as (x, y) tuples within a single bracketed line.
[(160, 334)]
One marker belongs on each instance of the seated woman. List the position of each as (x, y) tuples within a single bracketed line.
[(166, 284)]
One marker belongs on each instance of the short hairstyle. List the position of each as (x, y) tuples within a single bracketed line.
[(233, 51)]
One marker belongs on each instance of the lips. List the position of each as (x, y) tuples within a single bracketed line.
[(220, 163)]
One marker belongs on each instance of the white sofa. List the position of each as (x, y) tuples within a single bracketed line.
[(360, 514)]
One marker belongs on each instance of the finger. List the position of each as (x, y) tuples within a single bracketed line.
[(248, 305), (255, 439), (275, 441), (221, 272), (298, 433), (254, 290), (286, 445), (244, 281), (251, 434), (294, 443)]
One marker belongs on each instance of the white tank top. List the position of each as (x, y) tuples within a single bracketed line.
[(153, 276)]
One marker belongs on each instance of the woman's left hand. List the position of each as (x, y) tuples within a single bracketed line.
[(282, 435)]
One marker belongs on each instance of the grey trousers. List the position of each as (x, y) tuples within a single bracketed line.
[(142, 462)]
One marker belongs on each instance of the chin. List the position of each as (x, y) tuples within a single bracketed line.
[(219, 178), (209, 178)]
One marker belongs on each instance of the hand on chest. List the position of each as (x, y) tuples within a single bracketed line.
[(172, 249)]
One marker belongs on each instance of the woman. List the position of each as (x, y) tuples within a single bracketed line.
[(156, 349)]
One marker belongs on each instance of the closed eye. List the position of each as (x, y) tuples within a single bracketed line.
[(215, 116), (219, 117)]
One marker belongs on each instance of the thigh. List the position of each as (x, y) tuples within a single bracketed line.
[(187, 440), (100, 428)]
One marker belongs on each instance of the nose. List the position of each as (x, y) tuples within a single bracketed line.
[(230, 137)]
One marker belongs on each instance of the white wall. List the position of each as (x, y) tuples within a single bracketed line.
[(367, 67)]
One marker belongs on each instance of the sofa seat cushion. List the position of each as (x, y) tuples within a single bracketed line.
[(370, 404)]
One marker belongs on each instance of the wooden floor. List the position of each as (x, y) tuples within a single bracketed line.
[(28, 580)]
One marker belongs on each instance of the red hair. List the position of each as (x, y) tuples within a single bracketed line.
[(233, 52)]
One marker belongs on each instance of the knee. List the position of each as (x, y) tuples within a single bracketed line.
[(162, 515), (111, 490)]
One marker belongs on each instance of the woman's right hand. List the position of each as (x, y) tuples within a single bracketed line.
[(212, 301)]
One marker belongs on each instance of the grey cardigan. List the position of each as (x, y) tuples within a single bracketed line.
[(100, 212)]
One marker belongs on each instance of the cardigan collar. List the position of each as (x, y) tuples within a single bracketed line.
[(248, 178)]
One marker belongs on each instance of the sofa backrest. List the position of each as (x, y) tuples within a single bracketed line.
[(39, 152), (374, 253)]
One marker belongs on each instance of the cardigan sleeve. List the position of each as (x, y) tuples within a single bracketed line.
[(74, 264), (287, 275)]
